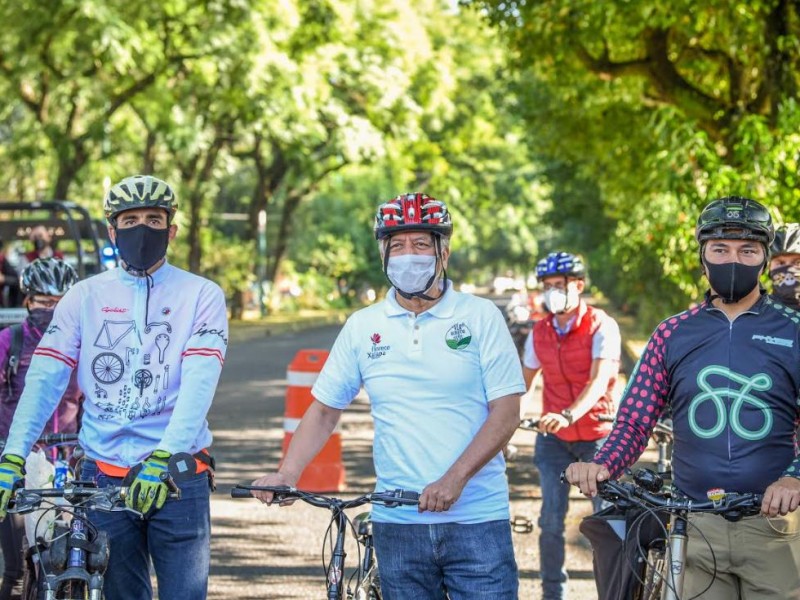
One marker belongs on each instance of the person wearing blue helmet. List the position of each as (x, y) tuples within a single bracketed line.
[(577, 349)]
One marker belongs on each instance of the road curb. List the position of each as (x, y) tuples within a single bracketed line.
[(242, 331)]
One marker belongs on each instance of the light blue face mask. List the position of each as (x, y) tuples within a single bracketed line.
[(411, 273)]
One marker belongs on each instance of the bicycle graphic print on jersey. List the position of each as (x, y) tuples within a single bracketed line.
[(738, 392)]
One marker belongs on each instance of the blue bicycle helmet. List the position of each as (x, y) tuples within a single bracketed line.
[(560, 263)]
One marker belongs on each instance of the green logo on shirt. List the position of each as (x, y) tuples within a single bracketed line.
[(458, 336), (738, 398)]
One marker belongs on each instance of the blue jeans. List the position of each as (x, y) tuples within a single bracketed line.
[(177, 538), (468, 562), (551, 457)]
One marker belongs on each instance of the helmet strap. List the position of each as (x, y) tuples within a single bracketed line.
[(437, 242)]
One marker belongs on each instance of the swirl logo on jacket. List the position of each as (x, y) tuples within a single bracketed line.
[(737, 389)]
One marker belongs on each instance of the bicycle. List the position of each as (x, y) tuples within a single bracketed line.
[(71, 563), (367, 582), (664, 560)]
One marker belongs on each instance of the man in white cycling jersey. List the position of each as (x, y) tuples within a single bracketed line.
[(148, 341), (444, 382)]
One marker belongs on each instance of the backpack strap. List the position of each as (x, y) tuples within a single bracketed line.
[(14, 352)]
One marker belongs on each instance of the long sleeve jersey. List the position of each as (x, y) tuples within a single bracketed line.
[(733, 388), (65, 417), (149, 352)]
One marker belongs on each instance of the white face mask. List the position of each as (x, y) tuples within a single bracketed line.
[(411, 273), (559, 301)]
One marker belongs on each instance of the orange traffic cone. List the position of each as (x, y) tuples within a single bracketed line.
[(326, 472)]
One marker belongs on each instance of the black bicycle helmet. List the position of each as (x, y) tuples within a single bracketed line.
[(735, 218), (787, 240), (48, 277)]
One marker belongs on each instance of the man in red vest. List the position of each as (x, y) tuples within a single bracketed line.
[(577, 348)]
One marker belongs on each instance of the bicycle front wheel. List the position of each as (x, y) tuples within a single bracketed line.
[(73, 590), (653, 584)]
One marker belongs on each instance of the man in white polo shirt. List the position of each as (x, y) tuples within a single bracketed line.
[(444, 383)]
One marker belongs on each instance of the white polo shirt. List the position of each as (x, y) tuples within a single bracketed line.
[(430, 378)]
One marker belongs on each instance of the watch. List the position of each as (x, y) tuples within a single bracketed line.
[(567, 414)]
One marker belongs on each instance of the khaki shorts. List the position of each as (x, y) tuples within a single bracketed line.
[(756, 558)]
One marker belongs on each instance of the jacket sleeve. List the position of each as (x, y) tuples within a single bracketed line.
[(642, 404), (48, 376), (201, 364)]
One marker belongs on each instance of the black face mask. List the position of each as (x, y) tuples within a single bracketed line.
[(733, 280), (786, 285), (141, 247), (39, 244), (41, 318)]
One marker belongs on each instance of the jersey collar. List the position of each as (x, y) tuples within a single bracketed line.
[(157, 277)]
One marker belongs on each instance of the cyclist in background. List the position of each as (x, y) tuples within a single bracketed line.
[(42, 241), (44, 282), (784, 265), (730, 371), (444, 382), (9, 281), (148, 340), (577, 349)]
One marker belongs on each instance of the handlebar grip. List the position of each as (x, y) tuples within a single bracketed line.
[(240, 493), (58, 438), (174, 490)]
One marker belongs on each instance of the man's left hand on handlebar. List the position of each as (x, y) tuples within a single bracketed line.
[(148, 491), (585, 475), (781, 497), (440, 495)]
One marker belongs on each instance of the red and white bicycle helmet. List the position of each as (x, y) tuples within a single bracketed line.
[(412, 212)]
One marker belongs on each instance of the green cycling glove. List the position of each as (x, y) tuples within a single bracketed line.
[(12, 471), (147, 492)]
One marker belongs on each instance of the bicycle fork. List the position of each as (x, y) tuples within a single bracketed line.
[(336, 568), (676, 558)]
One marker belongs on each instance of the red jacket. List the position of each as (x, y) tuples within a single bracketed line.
[(566, 367)]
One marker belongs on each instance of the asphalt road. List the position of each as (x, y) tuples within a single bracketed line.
[(271, 552)]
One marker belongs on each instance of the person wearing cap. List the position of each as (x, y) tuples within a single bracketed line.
[(444, 383), (577, 350), (784, 265), (44, 282), (148, 341), (729, 370)]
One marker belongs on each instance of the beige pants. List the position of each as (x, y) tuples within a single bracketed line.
[(756, 558)]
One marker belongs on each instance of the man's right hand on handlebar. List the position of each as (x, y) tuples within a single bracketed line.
[(273, 479), (585, 476), (12, 471)]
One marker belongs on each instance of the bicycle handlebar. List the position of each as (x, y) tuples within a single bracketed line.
[(49, 439), (732, 506), (106, 499), (532, 424), (389, 498)]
